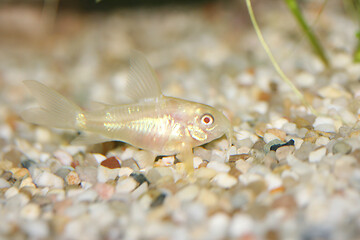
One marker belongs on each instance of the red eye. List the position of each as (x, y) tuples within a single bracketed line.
[(207, 119)]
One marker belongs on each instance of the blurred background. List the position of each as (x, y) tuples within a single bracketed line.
[(202, 50)]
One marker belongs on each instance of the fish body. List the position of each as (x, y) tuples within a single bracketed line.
[(155, 122)]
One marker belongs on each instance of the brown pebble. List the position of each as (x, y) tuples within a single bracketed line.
[(234, 172), (111, 162), (234, 158), (257, 187), (104, 190), (302, 123), (280, 189), (285, 201), (73, 178), (311, 136), (277, 132)]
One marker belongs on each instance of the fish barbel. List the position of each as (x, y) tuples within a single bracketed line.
[(154, 122)]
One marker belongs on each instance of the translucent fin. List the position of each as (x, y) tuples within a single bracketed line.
[(100, 105), (56, 110), (142, 82), (89, 138)]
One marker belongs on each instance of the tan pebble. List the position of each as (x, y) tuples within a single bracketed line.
[(257, 187), (302, 123), (242, 166), (282, 152), (30, 211), (19, 172), (237, 157), (355, 133), (73, 178), (188, 193), (287, 202), (6, 165), (280, 189), (27, 182), (224, 180), (235, 172), (58, 223), (260, 129), (208, 198), (311, 136), (206, 173), (280, 169), (277, 132)]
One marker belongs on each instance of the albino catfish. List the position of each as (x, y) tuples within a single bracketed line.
[(154, 122)]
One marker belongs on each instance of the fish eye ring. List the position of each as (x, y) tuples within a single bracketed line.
[(207, 119)]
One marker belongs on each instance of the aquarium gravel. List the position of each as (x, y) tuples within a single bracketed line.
[(289, 174)]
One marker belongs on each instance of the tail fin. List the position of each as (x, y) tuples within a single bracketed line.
[(55, 110)]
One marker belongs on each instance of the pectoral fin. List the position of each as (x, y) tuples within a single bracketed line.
[(187, 157), (142, 82)]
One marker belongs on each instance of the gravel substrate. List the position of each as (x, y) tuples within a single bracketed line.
[(290, 174)]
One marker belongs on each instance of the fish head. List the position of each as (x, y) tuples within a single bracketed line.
[(208, 124)]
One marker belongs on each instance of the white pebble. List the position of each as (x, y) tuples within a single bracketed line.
[(11, 192), (99, 157), (105, 174), (37, 229), (218, 225), (324, 124), (218, 166), (188, 193), (241, 225), (4, 183), (305, 79), (64, 157), (290, 128), (47, 179), (30, 211), (268, 137), (125, 171), (273, 181), (316, 155), (224, 180), (126, 185), (197, 161), (242, 166), (322, 141)]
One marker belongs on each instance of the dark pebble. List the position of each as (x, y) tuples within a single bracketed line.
[(159, 200), (28, 163), (276, 146), (139, 177)]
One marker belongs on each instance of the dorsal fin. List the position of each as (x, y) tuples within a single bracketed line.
[(142, 82)]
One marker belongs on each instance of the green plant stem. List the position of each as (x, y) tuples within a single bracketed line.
[(295, 10), (273, 61)]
